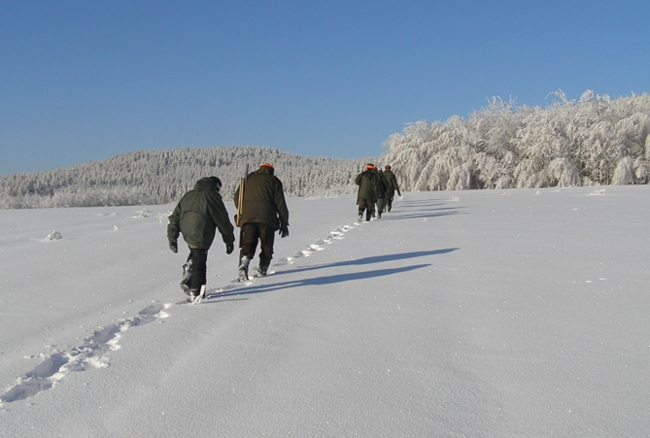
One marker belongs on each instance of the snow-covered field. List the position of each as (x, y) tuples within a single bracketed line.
[(475, 314)]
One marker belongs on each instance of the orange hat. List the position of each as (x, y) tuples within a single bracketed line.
[(370, 166), (266, 165)]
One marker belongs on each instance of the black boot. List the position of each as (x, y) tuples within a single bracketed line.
[(243, 268), (187, 276), (263, 268)]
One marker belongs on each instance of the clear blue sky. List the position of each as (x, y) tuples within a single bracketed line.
[(86, 80)]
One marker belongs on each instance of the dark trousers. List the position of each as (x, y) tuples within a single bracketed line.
[(389, 202), (198, 261), (381, 204), (251, 233), (366, 205)]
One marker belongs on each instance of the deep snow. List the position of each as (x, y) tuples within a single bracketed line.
[(476, 313)]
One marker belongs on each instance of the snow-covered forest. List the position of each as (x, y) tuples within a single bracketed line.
[(592, 141), (162, 176)]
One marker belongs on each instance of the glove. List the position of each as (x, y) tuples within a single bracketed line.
[(230, 247), (284, 231), (173, 245)]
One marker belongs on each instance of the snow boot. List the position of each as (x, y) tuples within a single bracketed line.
[(263, 268), (187, 276), (243, 268)]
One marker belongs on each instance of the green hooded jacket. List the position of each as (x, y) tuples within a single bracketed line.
[(198, 215), (392, 183), (369, 186)]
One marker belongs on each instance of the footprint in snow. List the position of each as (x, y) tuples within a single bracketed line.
[(91, 352)]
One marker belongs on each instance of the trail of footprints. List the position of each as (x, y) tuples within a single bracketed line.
[(93, 351), (319, 245)]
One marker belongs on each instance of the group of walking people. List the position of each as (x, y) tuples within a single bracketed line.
[(376, 189), (201, 213)]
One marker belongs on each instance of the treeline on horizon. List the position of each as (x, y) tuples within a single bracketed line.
[(592, 141), (158, 177)]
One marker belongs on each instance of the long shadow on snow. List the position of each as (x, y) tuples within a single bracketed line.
[(316, 281), (400, 215), (371, 260), (418, 202), (429, 204), (339, 278)]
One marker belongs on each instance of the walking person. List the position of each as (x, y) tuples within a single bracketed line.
[(197, 216), (264, 211), (382, 194), (368, 189), (392, 186)]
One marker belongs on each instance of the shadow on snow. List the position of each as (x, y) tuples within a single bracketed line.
[(373, 260), (337, 278), (316, 281)]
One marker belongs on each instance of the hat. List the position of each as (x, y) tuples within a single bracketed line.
[(370, 166), (387, 167), (269, 166), (216, 181)]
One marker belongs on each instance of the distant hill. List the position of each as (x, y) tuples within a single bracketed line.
[(162, 176)]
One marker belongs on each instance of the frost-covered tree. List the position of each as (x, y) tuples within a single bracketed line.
[(624, 172), (592, 140)]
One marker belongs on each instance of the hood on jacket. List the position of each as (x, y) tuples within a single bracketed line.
[(207, 183)]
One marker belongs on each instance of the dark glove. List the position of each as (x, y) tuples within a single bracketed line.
[(284, 231), (173, 245), (230, 247)]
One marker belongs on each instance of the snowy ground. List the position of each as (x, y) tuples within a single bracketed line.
[(475, 314)]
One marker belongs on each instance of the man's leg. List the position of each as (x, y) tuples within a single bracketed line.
[(250, 234), (186, 282), (380, 207), (199, 262), (364, 206), (267, 240)]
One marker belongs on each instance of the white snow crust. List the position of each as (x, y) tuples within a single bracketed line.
[(459, 314)]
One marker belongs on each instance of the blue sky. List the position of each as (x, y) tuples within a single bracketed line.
[(86, 80)]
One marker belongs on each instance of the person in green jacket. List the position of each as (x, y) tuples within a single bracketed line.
[(264, 211), (197, 216), (382, 196), (369, 190), (392, 186)]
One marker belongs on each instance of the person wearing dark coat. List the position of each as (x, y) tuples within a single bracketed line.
[(383, 189), (392, 186), (368, 191), (198, 216), (264, 211)]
